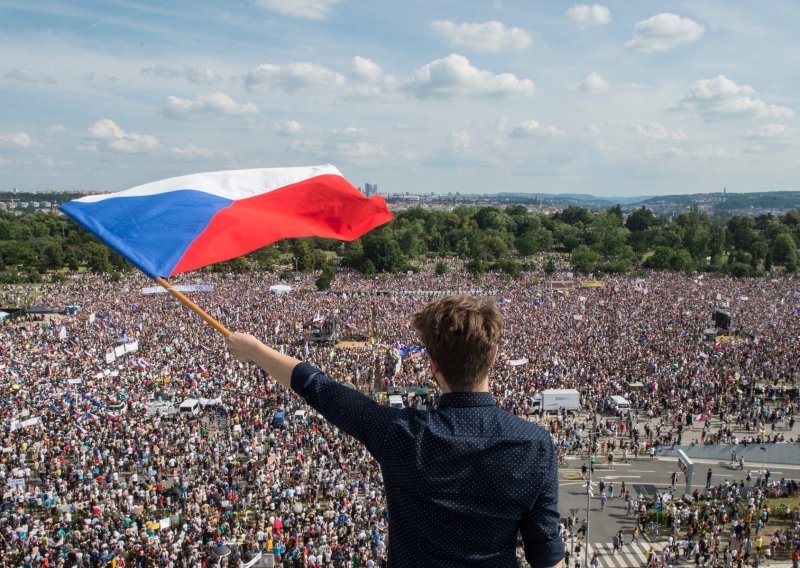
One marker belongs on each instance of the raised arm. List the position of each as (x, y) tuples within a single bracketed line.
[(346, 408), (244, 347)]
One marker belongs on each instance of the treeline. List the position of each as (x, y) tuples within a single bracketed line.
[(38, 246), (608, 241)]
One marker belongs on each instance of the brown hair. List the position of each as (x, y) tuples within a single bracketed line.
[(461, 334)]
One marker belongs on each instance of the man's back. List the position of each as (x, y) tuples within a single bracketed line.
[(461, 481), (473, 473)]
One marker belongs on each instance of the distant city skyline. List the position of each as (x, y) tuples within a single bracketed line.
[(608, 99)]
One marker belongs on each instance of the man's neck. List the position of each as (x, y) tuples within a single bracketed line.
[(445, 388)]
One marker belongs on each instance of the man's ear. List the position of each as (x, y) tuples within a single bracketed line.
[(434, 366)]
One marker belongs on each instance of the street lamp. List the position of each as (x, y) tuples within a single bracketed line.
[(294, 258), (574, 516)]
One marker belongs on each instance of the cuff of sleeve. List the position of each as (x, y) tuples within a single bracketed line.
[(301, 376), (546, 554)]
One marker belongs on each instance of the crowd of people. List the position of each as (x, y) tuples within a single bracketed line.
[(83, 486)]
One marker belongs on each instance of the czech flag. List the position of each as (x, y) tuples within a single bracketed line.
[(183, 223)]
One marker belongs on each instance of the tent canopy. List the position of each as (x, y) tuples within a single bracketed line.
[(280, 289)]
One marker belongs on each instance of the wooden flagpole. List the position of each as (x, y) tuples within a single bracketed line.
[(194, 307)]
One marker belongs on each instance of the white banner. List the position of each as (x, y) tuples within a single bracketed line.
[(121, 350), (179, 288), (62, 335), (25, 423), (517, 362), (74, 381)]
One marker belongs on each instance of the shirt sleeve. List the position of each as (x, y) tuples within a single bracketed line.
[(344, 407), (539, 527)]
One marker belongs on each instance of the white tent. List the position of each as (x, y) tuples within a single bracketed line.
[(3, 315), (280, 289)]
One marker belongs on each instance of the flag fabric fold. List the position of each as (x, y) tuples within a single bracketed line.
[(179, 224)]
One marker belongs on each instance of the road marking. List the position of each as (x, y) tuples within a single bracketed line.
[(596, 476), (631, 555)]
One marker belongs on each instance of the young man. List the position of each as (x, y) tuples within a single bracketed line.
[(466, 464)]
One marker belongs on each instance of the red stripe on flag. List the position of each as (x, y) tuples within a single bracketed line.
[(325, 206)]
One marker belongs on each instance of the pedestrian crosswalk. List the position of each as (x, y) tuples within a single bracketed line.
[(631, 555)]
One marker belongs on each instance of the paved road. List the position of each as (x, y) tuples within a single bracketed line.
[(642, 476)]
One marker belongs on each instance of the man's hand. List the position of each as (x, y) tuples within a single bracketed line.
[(242, 346)]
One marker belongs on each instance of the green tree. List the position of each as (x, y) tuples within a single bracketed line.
[(441, 268), (494, 246), (607, 234), (575, 216), (303, 255), (641, 220), (384, 252), (660, 259), (741, 232), (784, 252), (681, 259), (52, 256), (696, 232), (584, 259), (97, 258)]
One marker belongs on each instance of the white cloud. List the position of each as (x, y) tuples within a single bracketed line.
[(350, 133), (15, 141), (454, 76), (490, 36), (55, 129), (366, 70), (355, 151), (212, 104), (532, 129), (305, 9), (27, 76), (766, 132), (337, 150), (655, 131), (95, 78), (288, 128), (197, 75), (192, 152), (294, 78), (587, 16), (591, 131), (114, 138), (459, 140), (722, 99), (594, 84), (664, 32)]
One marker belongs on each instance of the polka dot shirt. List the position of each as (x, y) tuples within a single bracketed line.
[(462, 481)]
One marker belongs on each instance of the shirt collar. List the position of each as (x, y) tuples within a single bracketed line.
[(461, 399)]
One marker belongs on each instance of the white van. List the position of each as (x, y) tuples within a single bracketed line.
[(620, 405), (396, 401), (190, 406)]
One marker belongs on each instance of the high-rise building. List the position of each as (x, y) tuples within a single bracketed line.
[(370, 189)]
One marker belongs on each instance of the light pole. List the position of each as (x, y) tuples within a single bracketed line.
[(574, 515), (294, 258), (589, 495), (763, 455)]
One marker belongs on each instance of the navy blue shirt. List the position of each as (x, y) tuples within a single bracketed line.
[(462, 481)]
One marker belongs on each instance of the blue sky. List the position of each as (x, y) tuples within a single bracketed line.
[(617, 98)]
